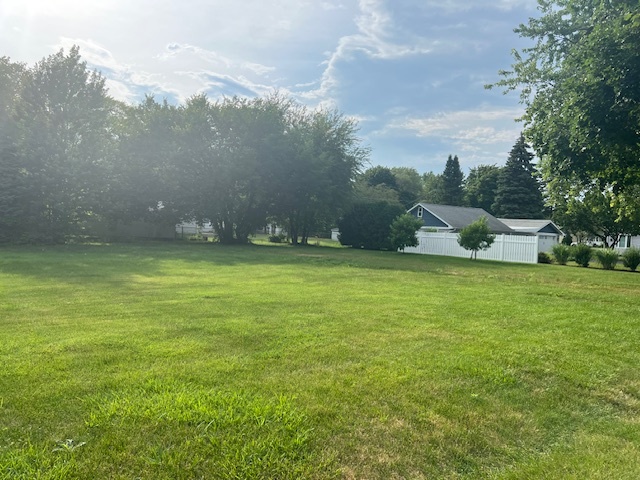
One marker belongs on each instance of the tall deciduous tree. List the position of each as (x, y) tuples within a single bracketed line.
[(597, 214), (452, 180), (409, 185), (13, 183), (432, 188), (518, 193), (481, 186), (579, 83), (62, 144)]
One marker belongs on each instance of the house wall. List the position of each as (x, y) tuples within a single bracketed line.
[(505, 248), (428, 219), (546, 242), (633, 242)]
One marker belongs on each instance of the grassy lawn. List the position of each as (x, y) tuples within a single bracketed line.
[(181, 361)]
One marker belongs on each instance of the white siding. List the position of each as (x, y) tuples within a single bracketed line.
[(505, 248)]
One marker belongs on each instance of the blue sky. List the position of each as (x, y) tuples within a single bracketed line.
[(412, 72)]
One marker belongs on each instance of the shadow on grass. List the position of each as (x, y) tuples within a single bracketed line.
[(119, 263)]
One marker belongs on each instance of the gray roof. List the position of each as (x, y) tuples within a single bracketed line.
[(460, 217), (530, 225)]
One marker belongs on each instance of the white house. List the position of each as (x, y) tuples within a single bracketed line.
[(548, 233)]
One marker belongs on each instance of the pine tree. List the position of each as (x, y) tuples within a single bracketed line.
[(452, 179), (518, 194)]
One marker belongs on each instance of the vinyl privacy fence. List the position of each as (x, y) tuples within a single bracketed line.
[(505, 248)]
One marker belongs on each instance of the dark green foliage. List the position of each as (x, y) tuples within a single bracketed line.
[(561, 253), (481, 186), (74, 161), (59, 137), (597, 213), (631, 258), (408, 186), (518, 193), (432, 187), (403, 232), (380, 176), (368, 225), (279, 238), (452, 179), (582, 254), (544, 257), (579, 83), (607, 258), (476, 236)]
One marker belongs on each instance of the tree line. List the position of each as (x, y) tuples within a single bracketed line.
[(71, 156)]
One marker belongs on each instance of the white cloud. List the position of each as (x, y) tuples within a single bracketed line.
[(375, 39), (458, 125)]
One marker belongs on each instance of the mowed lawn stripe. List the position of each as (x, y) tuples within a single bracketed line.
[(387, 365)]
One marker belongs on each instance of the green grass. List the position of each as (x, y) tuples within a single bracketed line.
[(165, 361)]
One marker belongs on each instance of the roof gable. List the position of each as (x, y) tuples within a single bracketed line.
[(532, 225), (459, 217)]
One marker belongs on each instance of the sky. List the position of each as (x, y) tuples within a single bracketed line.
[(411, 72)]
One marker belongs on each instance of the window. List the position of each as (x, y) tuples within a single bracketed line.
[(625, 241), (419, 212)]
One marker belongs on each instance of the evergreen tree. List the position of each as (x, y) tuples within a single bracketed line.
[(518, 194), (452, 178)]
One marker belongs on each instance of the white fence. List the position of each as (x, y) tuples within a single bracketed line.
[(505, 248)]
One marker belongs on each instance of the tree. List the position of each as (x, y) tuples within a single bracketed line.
[(409, 185), (518, 192), (597, 214), (368, 225), (403, 232), (13, 184), (62, 142), (326, 156), (380, 176), (432, 188), (147, 175), (452, 180), (579, 84), (476, 236), (480, 187)]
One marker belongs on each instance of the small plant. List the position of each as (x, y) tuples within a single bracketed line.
[(561, 253), (607, 258), (582, 254), (279, 238), (476, 236), (543, 257), (69, 445), (631, 258)]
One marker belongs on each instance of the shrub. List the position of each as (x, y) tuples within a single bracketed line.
[(543, 257), (561, 253), (582, 254), (607, 258), (631, 258), (403, 232), (281, 237)]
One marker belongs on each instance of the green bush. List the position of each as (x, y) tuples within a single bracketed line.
[(281, 237), (631, 258), (582, 254), (561, 253), (543, 257), (607, 258)]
